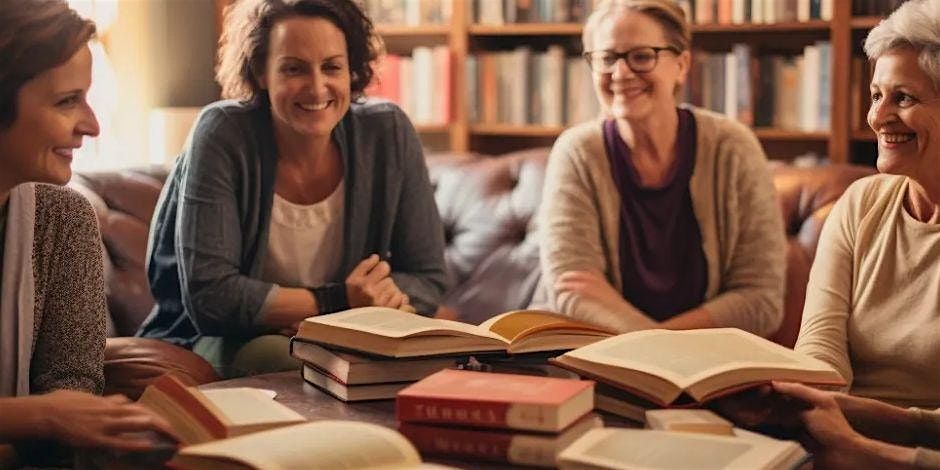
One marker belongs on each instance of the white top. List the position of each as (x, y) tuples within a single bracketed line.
[(305, 243), (873, 299)]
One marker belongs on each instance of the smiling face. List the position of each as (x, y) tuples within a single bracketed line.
[(307, 76), (52, 117), (905, 114), (635, 96)]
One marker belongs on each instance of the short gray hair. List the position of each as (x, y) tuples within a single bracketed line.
[(915, 24)]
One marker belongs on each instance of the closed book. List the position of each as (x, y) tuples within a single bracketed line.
[(358, 369), (490, 400), (329, 384), (672, 368), (517, 448), (699, 421), (199, 416)]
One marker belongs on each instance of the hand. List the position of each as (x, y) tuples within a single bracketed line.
[(590, 285), (84, 420), (369, 284)]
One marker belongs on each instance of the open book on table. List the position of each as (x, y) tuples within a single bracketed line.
[(393, 333), (619, 448), (200, 416), (317, 445), (679, 367)]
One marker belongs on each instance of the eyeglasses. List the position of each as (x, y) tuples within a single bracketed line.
[(638, 59)]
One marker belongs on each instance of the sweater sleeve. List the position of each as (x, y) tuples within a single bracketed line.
[(829, 290), (750, 295), (417, 243), (220, 298), (570, 228), (69, 347)]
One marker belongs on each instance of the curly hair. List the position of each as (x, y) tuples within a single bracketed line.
[(243, 46), (35, 36)]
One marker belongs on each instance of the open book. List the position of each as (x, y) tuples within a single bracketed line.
[(200, 416), (322, 444), (620, 448), (676, 367), (393, 333)]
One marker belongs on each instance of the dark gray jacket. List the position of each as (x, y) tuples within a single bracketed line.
[(210, 231)]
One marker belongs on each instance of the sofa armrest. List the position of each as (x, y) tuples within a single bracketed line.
[(130, 364)]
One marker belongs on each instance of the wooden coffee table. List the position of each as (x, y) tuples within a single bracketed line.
[(316, 405)]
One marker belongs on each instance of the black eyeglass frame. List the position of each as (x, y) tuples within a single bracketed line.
[(625, 55)]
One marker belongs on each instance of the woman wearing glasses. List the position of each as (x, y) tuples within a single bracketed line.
[(658, 216)]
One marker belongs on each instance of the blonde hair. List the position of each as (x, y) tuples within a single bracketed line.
[(667, 13), (915, 24)]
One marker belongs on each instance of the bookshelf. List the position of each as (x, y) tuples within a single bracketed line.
[(844, 141)]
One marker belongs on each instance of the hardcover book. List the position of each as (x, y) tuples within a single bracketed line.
[(394, 333), (491, 400), (358, 369), (694, 366), (346, 392)]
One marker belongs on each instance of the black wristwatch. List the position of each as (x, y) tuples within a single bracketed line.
[(331, 297)]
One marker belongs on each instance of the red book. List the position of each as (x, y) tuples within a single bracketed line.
[(489, 400), (517, 448)]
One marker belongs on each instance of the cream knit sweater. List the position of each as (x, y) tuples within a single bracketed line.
[(873, 300), (734, 203)]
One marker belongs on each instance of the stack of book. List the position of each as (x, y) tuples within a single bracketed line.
[(356, 377), (663, 369), (519, 419)]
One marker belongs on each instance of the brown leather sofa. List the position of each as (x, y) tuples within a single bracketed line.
[(487, 205)]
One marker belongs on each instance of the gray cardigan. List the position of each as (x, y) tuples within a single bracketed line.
[(210, 231)]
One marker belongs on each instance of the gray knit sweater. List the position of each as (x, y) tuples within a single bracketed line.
[(69, 326)]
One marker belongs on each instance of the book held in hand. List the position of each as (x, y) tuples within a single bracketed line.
[(621, 448), (491, 400), (392, 333), (694, 366), (317, 445), (357, 369), (199, 416), (514, 447)]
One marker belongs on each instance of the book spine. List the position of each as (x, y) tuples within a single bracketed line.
[(444, 411), (459, 443)]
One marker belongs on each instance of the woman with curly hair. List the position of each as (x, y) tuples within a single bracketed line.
[(294, 199)]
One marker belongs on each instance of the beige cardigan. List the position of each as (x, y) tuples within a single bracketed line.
[(734, 203)]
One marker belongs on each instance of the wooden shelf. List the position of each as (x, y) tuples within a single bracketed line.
[(769, 133), (432, 128), (813, 25), (516, 130), (865, 22), (413, 31), (526, 29), (864, 135)]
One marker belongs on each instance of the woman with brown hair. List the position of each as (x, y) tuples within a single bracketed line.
[(52, 299), (293, 199), (658, 215)]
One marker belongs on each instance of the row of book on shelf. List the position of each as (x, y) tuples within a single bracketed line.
[(790, 92), (496, 12), (408, 12), (543, 418), (756, 11)]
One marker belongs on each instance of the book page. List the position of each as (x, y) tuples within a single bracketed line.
[(685, 357), (394, 323), (521, 323), (323, 444), (250, 406)]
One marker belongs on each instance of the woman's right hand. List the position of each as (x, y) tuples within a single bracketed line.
[(85, 420), (370, 284)]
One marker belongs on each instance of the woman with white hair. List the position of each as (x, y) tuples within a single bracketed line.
[(874, 289), (875, 285)]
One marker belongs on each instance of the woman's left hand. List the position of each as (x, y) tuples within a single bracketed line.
[(588, 284)]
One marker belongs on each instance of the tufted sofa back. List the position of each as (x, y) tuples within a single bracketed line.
[(487, 205)]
